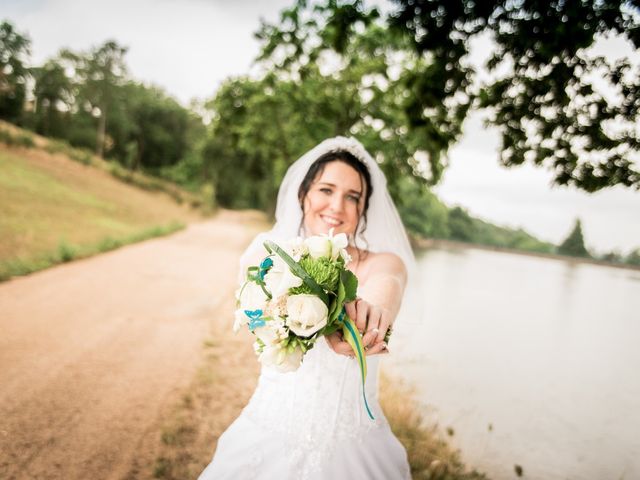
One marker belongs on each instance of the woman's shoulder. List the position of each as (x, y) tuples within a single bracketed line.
[(383, 262)]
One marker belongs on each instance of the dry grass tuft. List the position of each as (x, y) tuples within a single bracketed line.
[(430, 457)]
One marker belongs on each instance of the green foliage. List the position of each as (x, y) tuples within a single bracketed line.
[(461, 225), (260, 126), (634, 257), (350, 283), (54, 97), (325, 272), (466, 228), (66, 252), (14, 50), (574, 243), (80, 155), (549, 96), (21, 139), (421, 211)]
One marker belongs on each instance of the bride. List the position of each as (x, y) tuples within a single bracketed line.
[(312, 423)]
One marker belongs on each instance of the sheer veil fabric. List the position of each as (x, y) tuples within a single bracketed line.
[(311, 424), (384, 229)]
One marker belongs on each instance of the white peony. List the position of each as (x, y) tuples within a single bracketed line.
[(306, 314), (279, 279), (280, 359), (252, 297)]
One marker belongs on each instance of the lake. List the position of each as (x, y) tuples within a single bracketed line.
[(530, 360)]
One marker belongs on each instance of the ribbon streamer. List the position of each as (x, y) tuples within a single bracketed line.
[(352, 336)]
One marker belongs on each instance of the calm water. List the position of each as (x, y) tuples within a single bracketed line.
[(531, 361)]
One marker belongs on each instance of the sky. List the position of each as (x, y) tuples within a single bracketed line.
[(189, 47)]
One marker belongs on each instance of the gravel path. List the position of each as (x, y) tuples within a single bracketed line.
[(92, 351)]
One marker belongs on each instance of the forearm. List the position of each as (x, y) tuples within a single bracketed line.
[(384, 291)]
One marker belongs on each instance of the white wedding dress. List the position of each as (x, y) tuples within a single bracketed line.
[(311, 424)]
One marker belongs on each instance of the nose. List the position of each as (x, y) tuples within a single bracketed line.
[(337, 203)]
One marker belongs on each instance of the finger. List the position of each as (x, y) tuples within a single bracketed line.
[(369, 338), (338, 345), (378, 348), (383, 327), (375, 316), (362, 310), (350, 308)]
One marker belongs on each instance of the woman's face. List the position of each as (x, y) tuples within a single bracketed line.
[(335, 200)]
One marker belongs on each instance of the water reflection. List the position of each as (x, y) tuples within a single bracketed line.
[(531, 361)]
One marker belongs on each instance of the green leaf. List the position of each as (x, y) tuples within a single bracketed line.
[(350, 284), (339, 301)]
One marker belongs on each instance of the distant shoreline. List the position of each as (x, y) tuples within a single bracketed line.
[(424, 243)]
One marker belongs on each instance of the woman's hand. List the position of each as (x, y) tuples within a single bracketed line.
[(371, 320)]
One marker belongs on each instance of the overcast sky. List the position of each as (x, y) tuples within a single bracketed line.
[(188, 47)]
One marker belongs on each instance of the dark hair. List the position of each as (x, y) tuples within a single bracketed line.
[(317, 168)]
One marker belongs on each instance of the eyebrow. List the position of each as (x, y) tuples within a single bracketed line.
[(332, 185)]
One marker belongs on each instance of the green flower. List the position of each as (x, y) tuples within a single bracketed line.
[(325, 272)]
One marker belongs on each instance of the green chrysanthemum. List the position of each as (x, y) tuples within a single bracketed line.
[(325, 272)]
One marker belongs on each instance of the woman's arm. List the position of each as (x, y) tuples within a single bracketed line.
[(380, 297)]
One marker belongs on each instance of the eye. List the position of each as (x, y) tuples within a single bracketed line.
[(326, 190), (354, 198)]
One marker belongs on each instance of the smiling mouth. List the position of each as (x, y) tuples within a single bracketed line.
[(331, 221)]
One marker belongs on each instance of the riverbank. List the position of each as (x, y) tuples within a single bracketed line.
[(424, 243)]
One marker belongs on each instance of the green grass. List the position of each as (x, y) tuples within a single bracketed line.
[(66, 252), (52, 212)]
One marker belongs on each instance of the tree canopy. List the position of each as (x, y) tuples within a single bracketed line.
[(14, 50), (556, 104), (574, 243)]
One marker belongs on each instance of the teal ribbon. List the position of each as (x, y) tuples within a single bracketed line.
[(355, 337), (265, 265), (255, 319)]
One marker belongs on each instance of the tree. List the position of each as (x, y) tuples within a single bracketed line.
[(373, 76), (54, 96), (574, 243), (153, 128), (100, 72), (14, 48), (634, 257), (461, 225), (543, 94)]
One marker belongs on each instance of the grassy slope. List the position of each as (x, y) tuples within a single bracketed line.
[(53, 209)]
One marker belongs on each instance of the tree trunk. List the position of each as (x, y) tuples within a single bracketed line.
[(102, 126)]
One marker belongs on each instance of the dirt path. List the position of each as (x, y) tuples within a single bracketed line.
[(92, 352)]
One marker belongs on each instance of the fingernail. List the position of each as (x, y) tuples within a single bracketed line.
[(376, 330)]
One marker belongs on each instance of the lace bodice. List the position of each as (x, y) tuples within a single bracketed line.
[(317, 406)]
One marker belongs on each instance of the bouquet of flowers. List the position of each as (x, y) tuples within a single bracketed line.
[(296, 295)]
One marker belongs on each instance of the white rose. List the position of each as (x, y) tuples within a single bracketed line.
[(252, 297), (319, 246), (279, 279), (306, 314), (280, 359)]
